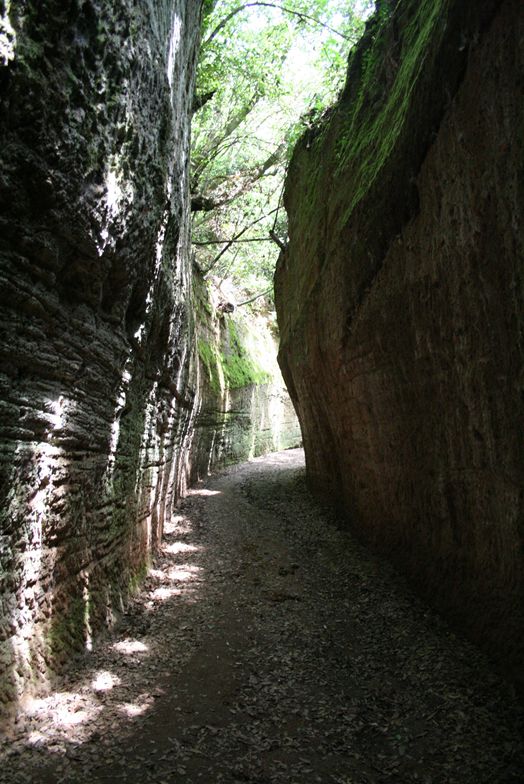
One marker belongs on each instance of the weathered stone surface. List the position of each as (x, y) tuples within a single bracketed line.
[(94, 313), (400, 305)]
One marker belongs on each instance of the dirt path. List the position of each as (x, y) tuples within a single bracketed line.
[(268, 647)]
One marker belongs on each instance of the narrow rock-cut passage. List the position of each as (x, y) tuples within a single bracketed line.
[(268, 646)]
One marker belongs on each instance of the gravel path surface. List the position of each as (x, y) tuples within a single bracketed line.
[(268, 647)]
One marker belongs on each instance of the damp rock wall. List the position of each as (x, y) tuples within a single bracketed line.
[(400, 305), (96, 405)]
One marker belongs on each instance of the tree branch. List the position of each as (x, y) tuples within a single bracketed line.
[(200, 100), (231, 242), (276, 239), (235, 238), (201, 203), (283, 8), (257, 296), (211, 149)]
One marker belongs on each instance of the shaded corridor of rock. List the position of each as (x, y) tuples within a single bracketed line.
[(270, 647), (264, 645)]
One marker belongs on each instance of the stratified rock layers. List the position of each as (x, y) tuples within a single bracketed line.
[(400, 305), (96, 327)]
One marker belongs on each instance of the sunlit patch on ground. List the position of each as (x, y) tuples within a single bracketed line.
[(130, 646), (118, 679), (61, 716), (187, 574), (179, 525), (132, 709), (184, 573), (105, 681), (36, 738), (180, 547), (157, 574), (161, 594)]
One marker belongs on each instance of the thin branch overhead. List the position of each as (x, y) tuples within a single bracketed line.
[(313, 20), (257, 296), (232, 241), (235, 239)]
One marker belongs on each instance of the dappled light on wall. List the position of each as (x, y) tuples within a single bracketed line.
[(174, 43), (94, 312), (119, 195), (113, 681), (35, 509)]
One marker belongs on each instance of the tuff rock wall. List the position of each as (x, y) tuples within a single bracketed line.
[(94, 311), (400, 304)]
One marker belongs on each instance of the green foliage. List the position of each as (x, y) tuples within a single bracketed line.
[(207, 8), (271, 74)]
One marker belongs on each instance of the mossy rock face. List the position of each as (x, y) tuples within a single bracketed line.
[(244, 408), (235, 350), (400, 304), (211, 360), (245, 349)]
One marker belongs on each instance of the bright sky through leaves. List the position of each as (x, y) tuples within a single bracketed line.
[(271, 73)]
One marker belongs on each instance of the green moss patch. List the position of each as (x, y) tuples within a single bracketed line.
[(240, 367), (233, 369), (212, 361), (371, 135), (373, 130)]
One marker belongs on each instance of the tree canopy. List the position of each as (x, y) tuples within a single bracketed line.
[(266, 71)]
